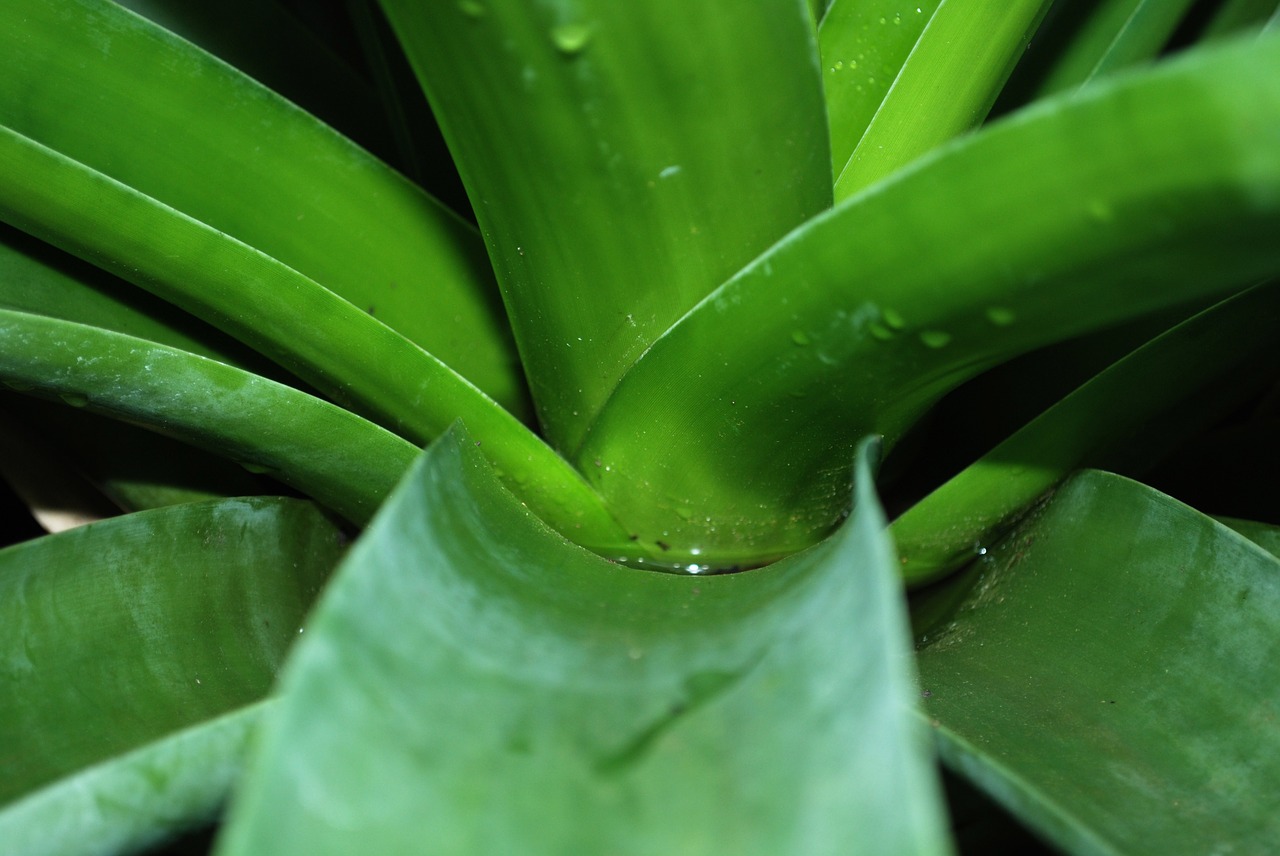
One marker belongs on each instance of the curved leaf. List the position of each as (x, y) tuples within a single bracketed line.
[(729, 436), (343, 461), (1110, 675), (661, 145), (94, 82), (134, 801), (1133, 412), (490, 688), (123, 631)]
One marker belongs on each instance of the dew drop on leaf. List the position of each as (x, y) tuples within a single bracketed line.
[(570, 39), (935, 338), (471, 8), (894, 319), (75, 399), (800, 337), (1000, 316)]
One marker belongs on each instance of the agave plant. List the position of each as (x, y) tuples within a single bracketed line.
[(556, 497)]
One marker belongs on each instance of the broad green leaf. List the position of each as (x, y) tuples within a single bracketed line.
[(622, 159), (1134, 412), (343, 461), (1135, 195), (134, 801), (863, 46), (1113, 35), (944, 88), (100, 85), (124, 631), (487, 687), (1110, 675), (1265, 535)]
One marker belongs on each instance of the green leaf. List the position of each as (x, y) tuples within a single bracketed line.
[(1134, 412), (100, 85), (134, 801), (661, 145), (1032, 231), (863, 45), (120, 632), (944, 88), (1108, 677), (1265, 535), (490, 688), (265, 426)]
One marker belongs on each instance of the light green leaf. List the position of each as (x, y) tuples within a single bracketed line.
[(864, 45), (1034, 230), (1265, 535), (124, 631), (134, 801), (1134, 412), (1109, 676), (944, 88), (100, 85), (490, 688), (623, 159)]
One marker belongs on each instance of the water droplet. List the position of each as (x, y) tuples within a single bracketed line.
[(570, 39), (894, 318), (684, 513), (256, 469), (884, 20), (935, 338), (471, 8), (75, 399), (1001, 316), (800, 337), (1101, 211), (880, 331), (839, 65), (897, 19), (853, 63)]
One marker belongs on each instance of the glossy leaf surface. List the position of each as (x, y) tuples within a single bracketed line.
[(124, 631), (1035, 230), (944, 88), (131, 802), (92, 81), (1110, 676), (489, 688), (1131, 413), (864, 45), (661, 146)]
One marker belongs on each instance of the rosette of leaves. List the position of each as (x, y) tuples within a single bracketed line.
[(478, 408)]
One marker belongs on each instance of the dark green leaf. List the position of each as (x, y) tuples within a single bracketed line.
[(487, 687), (127, 630), (133, 801), (1110, 676)]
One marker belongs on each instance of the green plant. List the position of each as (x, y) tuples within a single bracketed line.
[(733, 241)]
